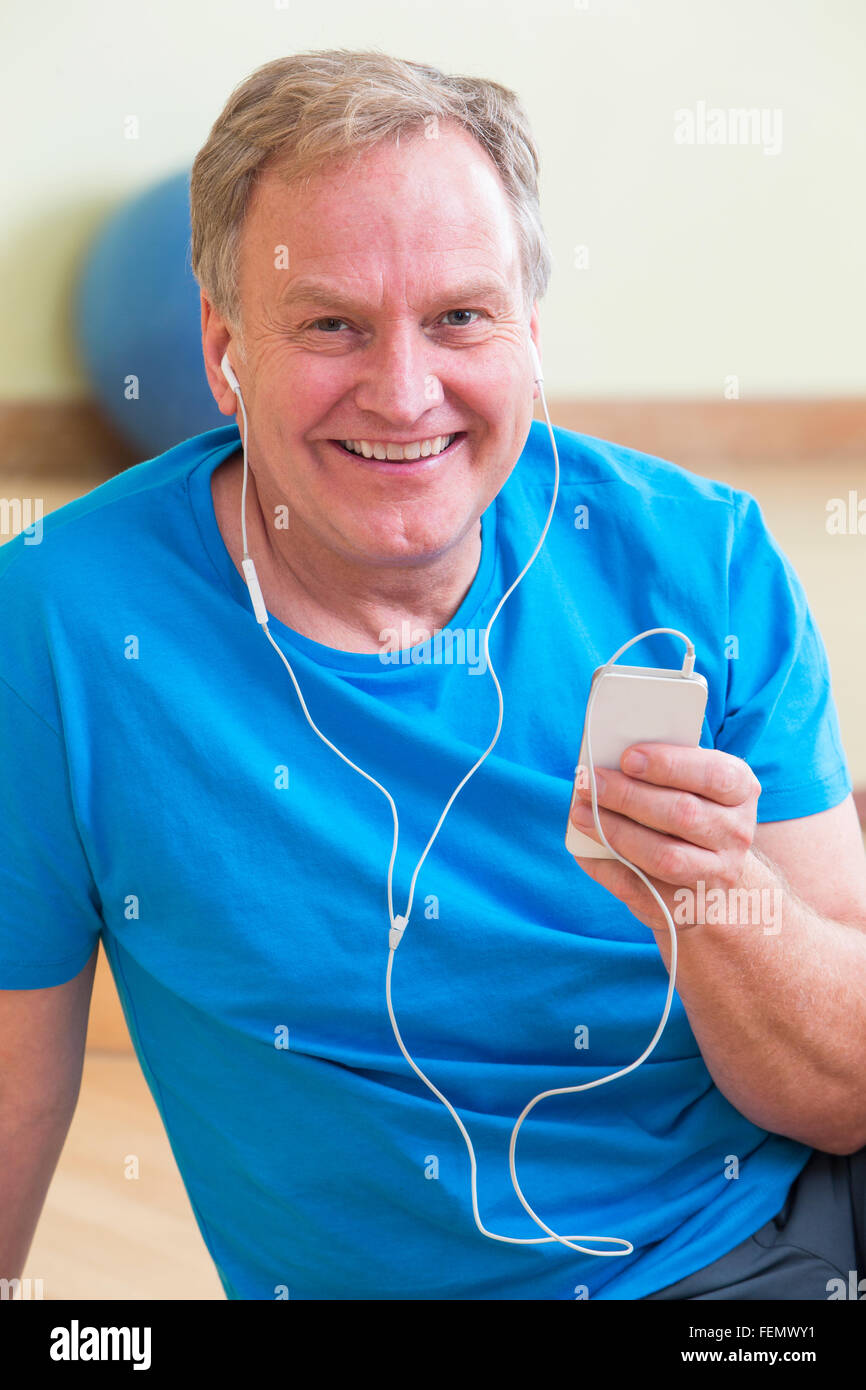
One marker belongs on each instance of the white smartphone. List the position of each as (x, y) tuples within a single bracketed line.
[(634, 704)]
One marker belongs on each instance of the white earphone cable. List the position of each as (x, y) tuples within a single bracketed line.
[(399, 923)]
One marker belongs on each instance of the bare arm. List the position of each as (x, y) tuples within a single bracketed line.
[(778, 1007), (778, 1013), (42, 1034)]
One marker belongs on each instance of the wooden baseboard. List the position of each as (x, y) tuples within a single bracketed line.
[(696, 432), (62, 438)]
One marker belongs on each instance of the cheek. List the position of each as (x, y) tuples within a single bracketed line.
[(301, 400), (504, 392)]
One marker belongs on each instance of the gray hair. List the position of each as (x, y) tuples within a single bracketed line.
[(307, 108)]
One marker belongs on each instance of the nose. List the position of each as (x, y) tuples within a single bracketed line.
[(398, 381)]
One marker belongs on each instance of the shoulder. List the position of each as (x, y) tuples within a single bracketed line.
[(104, 525), (632, 498), (98, 554), (586, 459)]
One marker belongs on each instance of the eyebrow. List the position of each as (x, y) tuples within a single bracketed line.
[(310, 291)]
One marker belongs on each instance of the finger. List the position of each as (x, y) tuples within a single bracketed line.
[(661, 856), (706, 771), (680, 814)]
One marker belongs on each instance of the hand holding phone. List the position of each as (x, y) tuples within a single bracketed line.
[(634, 704)]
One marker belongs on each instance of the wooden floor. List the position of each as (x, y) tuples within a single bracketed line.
[(105, 1235)]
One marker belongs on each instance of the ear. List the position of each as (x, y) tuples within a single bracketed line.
[(535, 335), (216, 338)]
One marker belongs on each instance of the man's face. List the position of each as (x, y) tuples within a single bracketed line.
[(414, 328)]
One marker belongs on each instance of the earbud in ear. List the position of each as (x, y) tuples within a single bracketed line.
[(227, 372), (536, 361)]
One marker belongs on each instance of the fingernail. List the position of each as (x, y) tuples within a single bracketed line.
[(634, 762), (586, 792)]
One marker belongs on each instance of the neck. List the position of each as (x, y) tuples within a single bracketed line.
[(331, 598)]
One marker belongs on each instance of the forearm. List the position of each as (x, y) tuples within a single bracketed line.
[(29, 1149), (780, 1015)]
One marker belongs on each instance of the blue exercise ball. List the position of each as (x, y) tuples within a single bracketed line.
[(138, 321)]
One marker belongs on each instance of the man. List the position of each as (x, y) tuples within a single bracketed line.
[(365, 233)]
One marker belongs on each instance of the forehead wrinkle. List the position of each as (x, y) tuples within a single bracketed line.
[(461, 287), (421, 208), (400, 229)]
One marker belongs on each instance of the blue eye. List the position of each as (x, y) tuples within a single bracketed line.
[(459, 311), (332, 321)]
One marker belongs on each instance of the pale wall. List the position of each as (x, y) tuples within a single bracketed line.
[(703, 261)]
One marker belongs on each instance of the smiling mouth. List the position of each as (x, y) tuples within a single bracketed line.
[(380, 452)]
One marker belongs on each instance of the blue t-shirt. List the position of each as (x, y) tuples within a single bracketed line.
[(160, 786)]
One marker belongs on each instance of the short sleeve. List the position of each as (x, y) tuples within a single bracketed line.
[(49, 906), (780, 716)]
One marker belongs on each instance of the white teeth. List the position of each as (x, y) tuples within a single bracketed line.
[(421, 448)]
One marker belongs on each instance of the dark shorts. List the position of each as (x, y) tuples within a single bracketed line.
[(818, 1236)]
